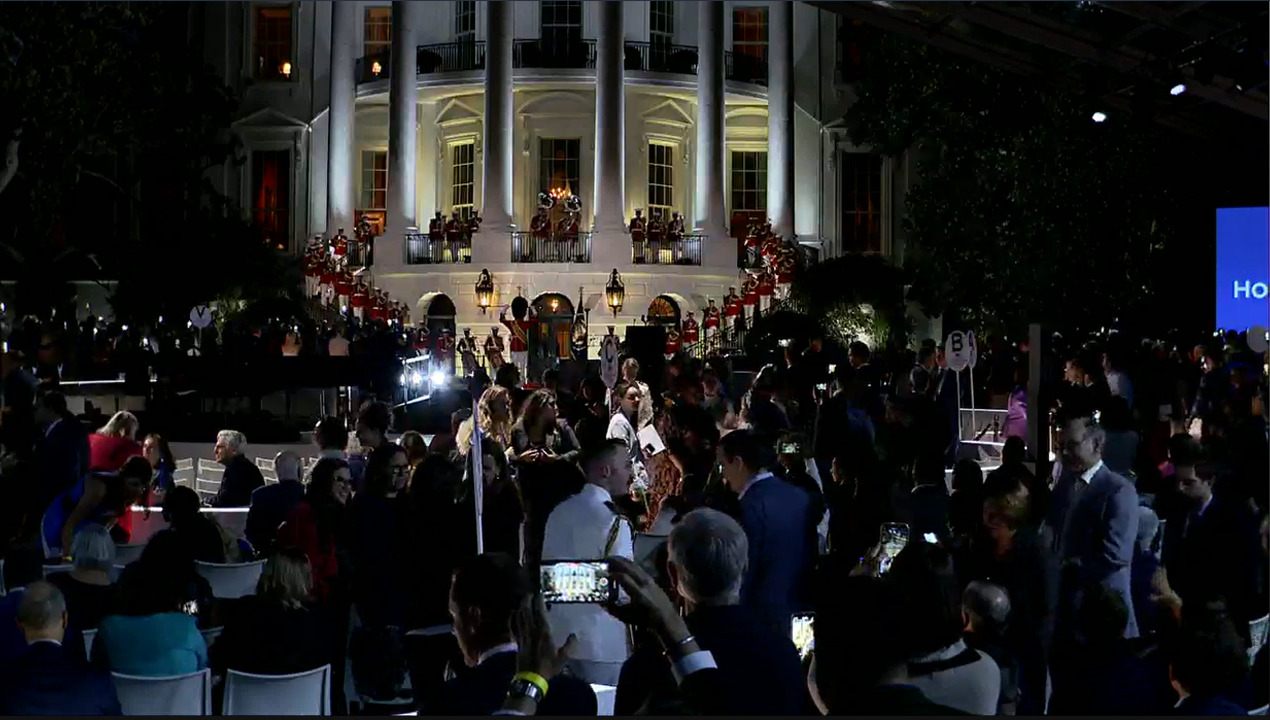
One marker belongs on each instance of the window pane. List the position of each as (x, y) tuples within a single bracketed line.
[(465, 18), (374, 180), (749, 181), (271, 195), (661, 184), (559, 163), (861, 202), (463, 170), (749, 31), (272, 42)]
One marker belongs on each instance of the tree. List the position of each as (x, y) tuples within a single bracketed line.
[(1025, 210)]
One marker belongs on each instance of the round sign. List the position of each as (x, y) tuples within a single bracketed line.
[(959, 349), (974, 349), (1258, 339), (201, 316)]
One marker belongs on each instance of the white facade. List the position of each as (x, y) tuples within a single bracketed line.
[(657, 110)]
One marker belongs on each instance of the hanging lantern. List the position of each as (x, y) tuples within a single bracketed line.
[(285, 69), (615, 292), (484, 290)]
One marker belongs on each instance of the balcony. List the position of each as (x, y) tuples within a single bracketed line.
[(661, 58), (449, 57), (529, 249), (422, 250), (685, 251), (554, 54)]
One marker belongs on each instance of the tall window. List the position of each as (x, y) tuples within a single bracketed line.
[(374, 180), (465, 20), (377, 32), (661, 180), (560, 164), (271, 195), (561, 25), (749, 32), (749, 181), (272, 42), (861, 202), (661, 26), (462, 178)]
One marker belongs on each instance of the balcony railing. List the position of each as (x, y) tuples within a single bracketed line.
[(661, 57), (684, 251), (526, 248), (554, 54), (422, 250), (744, 68), (461, 56), (358, 254)]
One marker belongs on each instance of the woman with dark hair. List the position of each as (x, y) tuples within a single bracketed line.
[(316, 524), (156, 451), (102, 497), (378, 520), (202, 539), (539, 435)]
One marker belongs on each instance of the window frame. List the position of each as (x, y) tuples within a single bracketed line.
[(284, 205), (376, 47), (363, 189), (457, 164), (544, 157), (253, 67), (744, 46), (849, 211), (464, 11), (549, 33), (651, 186), (760, 186)]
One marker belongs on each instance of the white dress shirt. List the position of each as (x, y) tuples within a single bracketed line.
[(579, 529), (620, 427)]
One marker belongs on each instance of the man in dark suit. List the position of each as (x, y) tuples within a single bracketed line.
[(485, 593), (271, 504), (775, 516), (241, 477), (61, 451), (1093, 519), (48, 680)]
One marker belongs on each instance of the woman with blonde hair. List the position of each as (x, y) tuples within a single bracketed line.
[(111, 446), (539, 434), (495, 413), (276, 631)]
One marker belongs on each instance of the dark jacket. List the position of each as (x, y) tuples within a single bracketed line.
[(1218, 554), (775, 516), (241, 478), (265, 638), (1195, 706), (483, 689), (48, 680), (270, 506), (61, 459)]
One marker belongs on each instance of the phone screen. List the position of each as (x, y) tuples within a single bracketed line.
[(893, 538), (576, 582), (190, 608), (803, 633)]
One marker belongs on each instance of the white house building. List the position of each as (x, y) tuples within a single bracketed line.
[(401, 110)]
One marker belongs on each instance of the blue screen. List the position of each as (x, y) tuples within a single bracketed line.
[(1243, 267)]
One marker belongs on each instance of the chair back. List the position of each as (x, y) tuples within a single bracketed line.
[(175, 695), (1257, 631), (306, 693), (55, 569), (605, 697), (128, 554), (231, 580), (89, 637), (1260, 711)]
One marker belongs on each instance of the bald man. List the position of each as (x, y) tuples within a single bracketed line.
[(271, 504), (48, 679), (985, 610)]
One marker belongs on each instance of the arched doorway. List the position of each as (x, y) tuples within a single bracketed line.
[(554, 313), (664, 311), (438, 317)]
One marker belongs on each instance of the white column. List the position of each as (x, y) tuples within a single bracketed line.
[(708, 206), (780, 118), (406, 18), (496, 172), (610, 122), (339, 155)]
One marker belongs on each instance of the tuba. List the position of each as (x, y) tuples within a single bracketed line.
[(573, 205), (546, 201)]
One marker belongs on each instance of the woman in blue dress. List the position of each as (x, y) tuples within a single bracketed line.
[(159, 455), (97, 498)]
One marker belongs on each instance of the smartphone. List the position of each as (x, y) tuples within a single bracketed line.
[(822, 386), (789, 448), (190, 608), (577, 581), (832, 368), (891, 540), (803, 633), (785, 343)]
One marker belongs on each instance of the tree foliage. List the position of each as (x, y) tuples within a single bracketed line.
[(841, 299), (1024, 209)]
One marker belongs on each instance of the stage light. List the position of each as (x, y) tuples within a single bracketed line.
[(1177, 89), (1099, 117), (416, 379), (437, 378)]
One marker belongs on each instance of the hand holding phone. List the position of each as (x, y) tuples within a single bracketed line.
[(802, 632), (577, 581)]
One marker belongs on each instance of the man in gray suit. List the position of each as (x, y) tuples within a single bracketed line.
[(1094, 521)]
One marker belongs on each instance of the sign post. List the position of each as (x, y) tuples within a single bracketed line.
[(974, 359), (957, 357)]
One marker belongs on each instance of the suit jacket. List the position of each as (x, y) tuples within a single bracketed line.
[(1095, 530), (775, 516), (47, 680), (1215, 553), (270, 506), (481, 690), (240, 480), (1194, 706)]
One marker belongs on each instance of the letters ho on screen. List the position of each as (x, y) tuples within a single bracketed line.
[(1243, 267)]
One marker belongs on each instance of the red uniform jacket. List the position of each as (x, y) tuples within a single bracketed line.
[(519, 334), (732, 305), (327, 276), (692, 332), (452, 230), (341, 245), (672, 341), (767, 284), (445, 346), (344, 284), (436, 230), (378, 308), (712, 318), (749, 292), (637, 229), (360, 297)]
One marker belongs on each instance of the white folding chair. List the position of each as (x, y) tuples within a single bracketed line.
[(175, 695), (605, 696), (55, 569), (89, 637), (231, 580), (128, 554), (306, 693), (184, 464), (1257, 631), (1264, 709)]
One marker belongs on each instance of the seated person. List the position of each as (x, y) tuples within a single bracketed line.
[(87, 588), (985, 610), (485, 593), (197, 532), (22, 567), (49, 679), (271, 504), (1207, 663)]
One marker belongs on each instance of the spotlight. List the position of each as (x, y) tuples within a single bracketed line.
[(437, 378), (1099, 117), (416, 379), (1177, 89)]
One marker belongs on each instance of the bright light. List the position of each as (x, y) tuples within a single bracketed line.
[(1178, 89), (1099, 116), (416, 379), (403, 379), (437, 378)]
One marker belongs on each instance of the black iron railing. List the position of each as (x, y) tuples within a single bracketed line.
[(661, 57), (460, 56), (358, 254), (554, 54), (526, 248), (684, 251), (744, 68), (729, 339), (422, 250)]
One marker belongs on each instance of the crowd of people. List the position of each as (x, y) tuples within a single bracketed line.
[(1123, 575)]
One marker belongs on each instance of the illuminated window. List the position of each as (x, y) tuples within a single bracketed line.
[(271, 196), (861, 202), (374, 180), (272, 43), (559, 163), (749, 181), (463, 178), (661, 180), (749, 32), (377, 32)]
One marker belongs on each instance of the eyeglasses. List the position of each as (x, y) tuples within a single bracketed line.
[(400, 469)]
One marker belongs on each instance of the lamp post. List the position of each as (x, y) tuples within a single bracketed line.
[(615, 292), (484, 291)]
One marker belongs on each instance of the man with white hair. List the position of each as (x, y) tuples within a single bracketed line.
[(241, 477), (271, 504), (759, 667), (48, 679)]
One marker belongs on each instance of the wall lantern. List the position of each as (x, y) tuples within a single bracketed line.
[(615, 292), (484, 291), (376, 68), (285, 69)]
